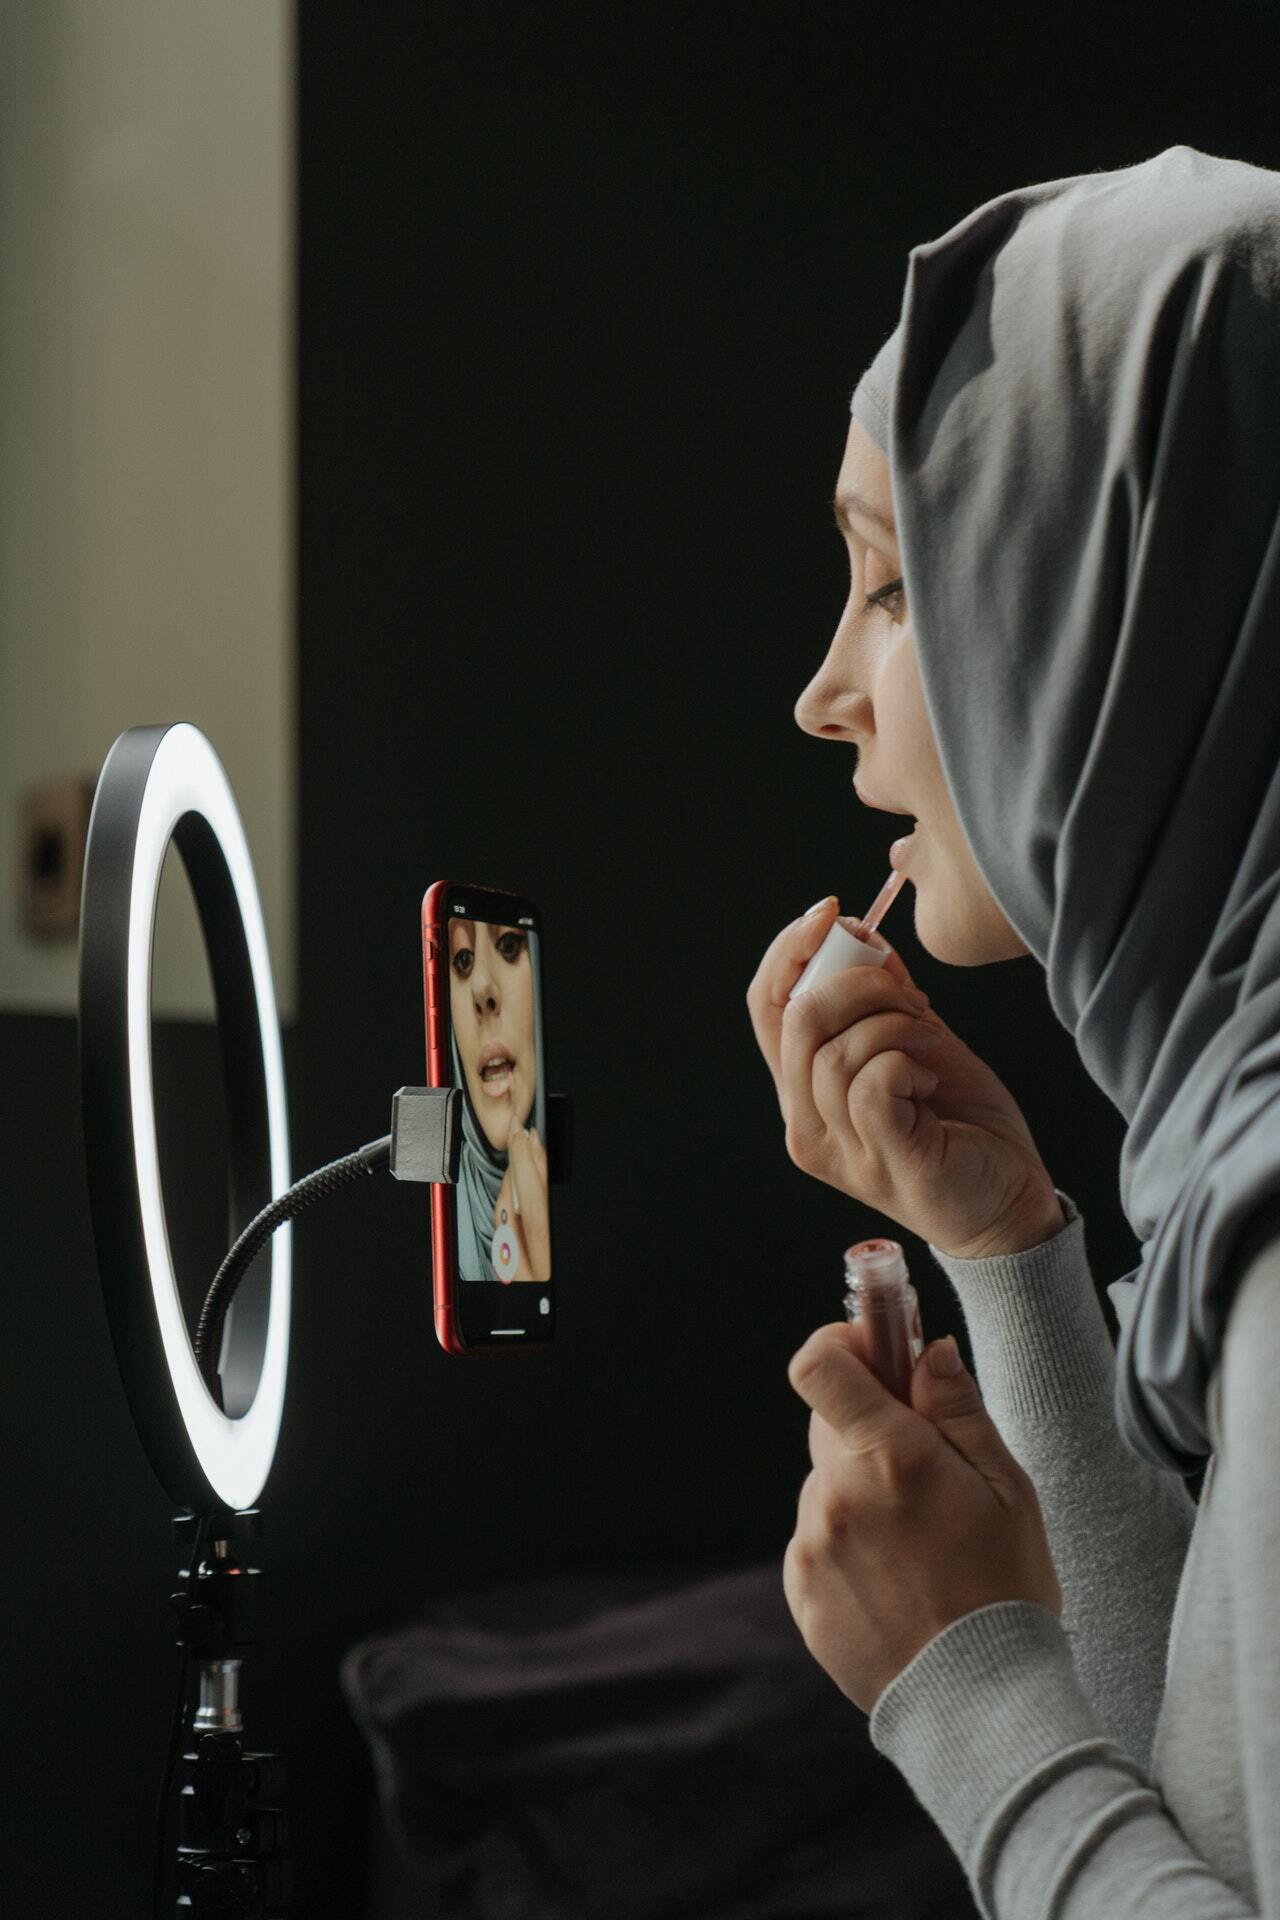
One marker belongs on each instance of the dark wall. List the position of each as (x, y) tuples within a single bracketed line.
[(582, 294)]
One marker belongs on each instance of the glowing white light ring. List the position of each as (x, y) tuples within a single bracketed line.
[(184, 777)]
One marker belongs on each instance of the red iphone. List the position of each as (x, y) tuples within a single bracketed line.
[(491, 1230)]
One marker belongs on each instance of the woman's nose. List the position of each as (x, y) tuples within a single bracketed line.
[(833, 714), (482, 993)]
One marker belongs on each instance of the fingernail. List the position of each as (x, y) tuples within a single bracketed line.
[(818, 905), (943, 1358)]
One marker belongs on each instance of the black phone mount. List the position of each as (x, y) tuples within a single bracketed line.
[(426, 1135)]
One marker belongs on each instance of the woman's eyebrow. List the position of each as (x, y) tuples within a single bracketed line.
[(845, 504)]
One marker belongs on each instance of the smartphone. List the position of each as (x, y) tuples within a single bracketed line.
[(491, 1229)]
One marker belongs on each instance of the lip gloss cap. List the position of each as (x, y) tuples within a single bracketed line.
[(840, 949)]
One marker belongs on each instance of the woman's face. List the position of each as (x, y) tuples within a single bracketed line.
[(867, 693), (491, 1002)]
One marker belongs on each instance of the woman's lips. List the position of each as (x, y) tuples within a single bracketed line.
[(498, 1084)]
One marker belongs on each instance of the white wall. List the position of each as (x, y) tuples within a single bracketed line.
[(146, 357)]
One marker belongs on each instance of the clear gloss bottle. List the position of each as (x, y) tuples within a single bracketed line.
[(880, 1295)]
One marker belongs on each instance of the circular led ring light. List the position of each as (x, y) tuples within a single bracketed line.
[(160, 784)]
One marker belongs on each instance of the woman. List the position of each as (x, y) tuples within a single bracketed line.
[(1062, 651), (496, 1024)]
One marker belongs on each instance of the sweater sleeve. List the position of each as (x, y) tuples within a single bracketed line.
[(1046, 1814), (1118, 1528), (991, 1728)]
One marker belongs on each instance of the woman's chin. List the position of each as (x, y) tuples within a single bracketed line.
[(959, 938)]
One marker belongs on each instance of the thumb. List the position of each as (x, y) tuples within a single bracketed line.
[(950, 1398), (832, 1378)]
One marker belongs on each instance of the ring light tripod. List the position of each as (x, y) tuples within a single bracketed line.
[(160, 784)]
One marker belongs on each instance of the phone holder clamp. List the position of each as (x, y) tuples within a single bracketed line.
[(426, 1135)]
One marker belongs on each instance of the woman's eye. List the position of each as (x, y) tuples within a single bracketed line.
[(883, 594), (511, 953)]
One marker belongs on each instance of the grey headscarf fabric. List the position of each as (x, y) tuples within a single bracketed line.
[(1080, 406)]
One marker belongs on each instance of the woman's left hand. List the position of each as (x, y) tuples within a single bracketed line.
[(911, 1518), (527, 1166)]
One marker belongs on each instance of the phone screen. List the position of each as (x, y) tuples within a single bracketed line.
[(491, 1238)]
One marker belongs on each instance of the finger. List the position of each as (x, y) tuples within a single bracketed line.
[(517, 1149), (808, 1525), (825, 1444), (951, 1400), (786, 957), (843, 1007), (823, 1441), (869, 1084), (831, 1379)]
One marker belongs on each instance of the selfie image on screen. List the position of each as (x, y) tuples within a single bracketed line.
[(495, 1024)]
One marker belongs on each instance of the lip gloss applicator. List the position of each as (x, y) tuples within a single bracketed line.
[(842, 949)]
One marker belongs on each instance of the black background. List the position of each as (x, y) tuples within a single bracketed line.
[(582, 293)]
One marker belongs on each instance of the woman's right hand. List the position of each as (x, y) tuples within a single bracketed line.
[(853, 1062)]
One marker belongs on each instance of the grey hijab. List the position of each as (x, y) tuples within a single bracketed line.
[(1080, 407)]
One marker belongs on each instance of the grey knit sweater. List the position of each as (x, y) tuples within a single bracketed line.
[(1122, 1762)]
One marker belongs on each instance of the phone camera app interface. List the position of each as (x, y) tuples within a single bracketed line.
[(495, 1023)]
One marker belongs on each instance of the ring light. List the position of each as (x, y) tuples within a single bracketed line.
[(160, 784)]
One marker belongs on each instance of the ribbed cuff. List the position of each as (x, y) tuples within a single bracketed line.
[(1039, 1337), (988, 1713)]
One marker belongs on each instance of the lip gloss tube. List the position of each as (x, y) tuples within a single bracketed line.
[(843, 949), (881, 1296)]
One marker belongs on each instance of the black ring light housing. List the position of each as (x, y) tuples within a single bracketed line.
[(162, 784)]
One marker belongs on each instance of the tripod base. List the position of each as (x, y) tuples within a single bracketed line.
[(231, 1832), (232, 1853)]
